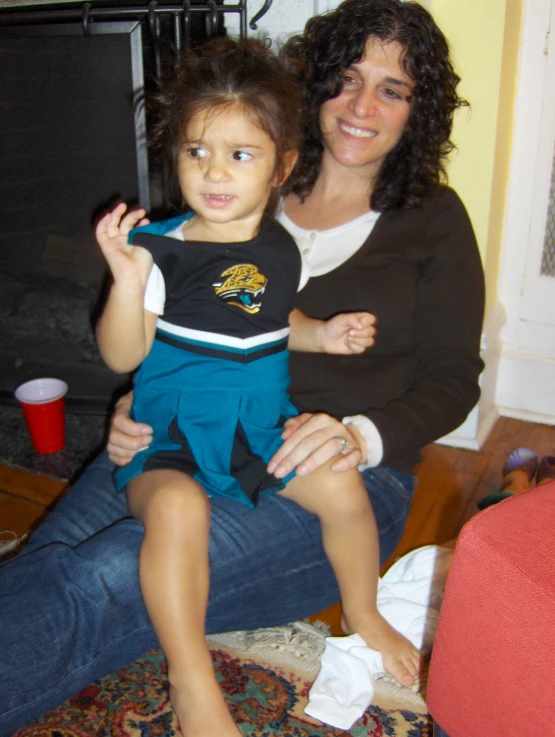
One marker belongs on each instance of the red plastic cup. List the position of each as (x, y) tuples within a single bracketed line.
[(43, 405)]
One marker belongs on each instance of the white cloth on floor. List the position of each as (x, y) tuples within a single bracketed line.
[(343, 688), (409, 598)]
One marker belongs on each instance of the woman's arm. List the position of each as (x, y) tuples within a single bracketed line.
[(448, 321), (421, 381)]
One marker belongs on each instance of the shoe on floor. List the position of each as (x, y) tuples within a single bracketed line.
[(522, 459), (546, 470)]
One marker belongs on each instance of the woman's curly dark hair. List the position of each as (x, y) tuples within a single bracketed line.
[(334, 41), (219, 75)]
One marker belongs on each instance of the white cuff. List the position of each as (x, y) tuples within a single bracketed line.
[(373, 439)]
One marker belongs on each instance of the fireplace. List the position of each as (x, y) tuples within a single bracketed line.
[(73, 138)]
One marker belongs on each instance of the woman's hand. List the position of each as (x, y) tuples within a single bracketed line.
[(126, 437), (310, 440)]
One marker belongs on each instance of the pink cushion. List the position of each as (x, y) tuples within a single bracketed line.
[(492, 672)]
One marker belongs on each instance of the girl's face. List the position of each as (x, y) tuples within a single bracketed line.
[(367, 120), (226, 168)]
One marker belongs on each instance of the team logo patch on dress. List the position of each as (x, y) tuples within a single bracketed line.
[(243, 285)]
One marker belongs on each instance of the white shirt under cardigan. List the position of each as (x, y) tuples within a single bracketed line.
[(322, 251)]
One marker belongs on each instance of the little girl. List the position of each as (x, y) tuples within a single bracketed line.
[(204, 302)]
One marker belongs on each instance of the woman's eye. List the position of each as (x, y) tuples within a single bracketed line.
[(241, 156), (196, 152), (348, 80), (392, 95)]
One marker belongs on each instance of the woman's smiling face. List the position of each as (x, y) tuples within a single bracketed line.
[(367, 120)]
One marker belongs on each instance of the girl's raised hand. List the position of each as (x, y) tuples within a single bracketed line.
[(125, 261), (348, 333)]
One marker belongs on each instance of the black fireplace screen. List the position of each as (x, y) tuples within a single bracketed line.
[(70, 134), (73, 137)]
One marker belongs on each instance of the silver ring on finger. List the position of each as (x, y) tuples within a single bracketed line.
[(344, 443)]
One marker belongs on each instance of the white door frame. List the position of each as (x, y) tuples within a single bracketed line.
[(538, 292), (526, 379)]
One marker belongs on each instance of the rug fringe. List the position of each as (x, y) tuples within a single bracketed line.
[(300, 645), (297, 644)]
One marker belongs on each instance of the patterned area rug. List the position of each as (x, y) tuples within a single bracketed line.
[(266, 683)]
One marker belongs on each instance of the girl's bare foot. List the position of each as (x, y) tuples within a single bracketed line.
[(400, 658), (201, 711)]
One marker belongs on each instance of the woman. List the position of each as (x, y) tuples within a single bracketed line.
[(380, 235)]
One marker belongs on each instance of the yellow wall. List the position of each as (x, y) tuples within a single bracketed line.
[(484, 37)]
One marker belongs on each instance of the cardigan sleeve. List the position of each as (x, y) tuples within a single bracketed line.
[(448, 324)]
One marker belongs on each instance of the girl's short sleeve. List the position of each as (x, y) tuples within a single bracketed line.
[(155, 293)]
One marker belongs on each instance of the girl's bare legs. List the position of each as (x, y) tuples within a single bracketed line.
[(350, 539), (174, 573)]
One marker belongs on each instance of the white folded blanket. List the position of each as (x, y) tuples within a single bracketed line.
[(409, 598)]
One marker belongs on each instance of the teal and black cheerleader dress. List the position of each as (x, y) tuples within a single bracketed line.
[(214, 385)]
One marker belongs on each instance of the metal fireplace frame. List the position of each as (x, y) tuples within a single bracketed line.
[(93, 19), (152, 29), (88, 13)]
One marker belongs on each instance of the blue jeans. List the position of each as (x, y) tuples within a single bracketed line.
[(71, 609)]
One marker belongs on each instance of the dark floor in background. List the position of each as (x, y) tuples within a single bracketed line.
[(85, 436)]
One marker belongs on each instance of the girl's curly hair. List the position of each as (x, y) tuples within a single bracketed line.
[(330, 44), (223, 74)]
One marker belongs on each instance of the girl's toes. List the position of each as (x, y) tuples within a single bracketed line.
[(416, 664), (407, 679)]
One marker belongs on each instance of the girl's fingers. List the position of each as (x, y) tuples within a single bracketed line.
[(112, 220), (104, 224), (358, 345), (130, 220), (120, 221), (367, 318)]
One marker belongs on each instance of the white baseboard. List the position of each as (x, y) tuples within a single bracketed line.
[(526, 386), (473, 433), (518, 382), (475, 429), (527, 416)]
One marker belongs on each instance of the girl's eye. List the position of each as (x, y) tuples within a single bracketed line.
[(196, 152), (241, 156)]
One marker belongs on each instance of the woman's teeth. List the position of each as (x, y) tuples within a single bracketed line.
[(357, 132)]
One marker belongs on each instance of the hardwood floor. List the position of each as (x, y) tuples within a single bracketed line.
[(451, 480), (25, 498)]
